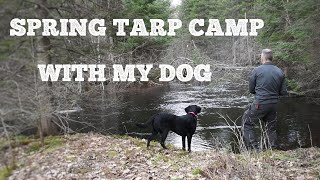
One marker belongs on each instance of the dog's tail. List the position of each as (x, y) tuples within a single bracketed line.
[(146, 124)]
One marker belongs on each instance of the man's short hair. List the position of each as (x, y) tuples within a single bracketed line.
[(267, 53)]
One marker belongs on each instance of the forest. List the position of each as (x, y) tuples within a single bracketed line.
[(291, 29), (29, 105)]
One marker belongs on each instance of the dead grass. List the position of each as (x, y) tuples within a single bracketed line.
[(114, 157)]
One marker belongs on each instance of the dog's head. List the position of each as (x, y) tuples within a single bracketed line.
[(193, 108)]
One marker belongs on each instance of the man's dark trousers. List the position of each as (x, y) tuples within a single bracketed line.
[(256, 114)]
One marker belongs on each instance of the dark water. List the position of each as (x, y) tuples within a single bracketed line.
[(297, 117)]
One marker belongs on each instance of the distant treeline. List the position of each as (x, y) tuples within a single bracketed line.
[(291, 29)]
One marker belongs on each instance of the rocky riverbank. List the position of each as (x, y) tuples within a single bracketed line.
[(95, 156)]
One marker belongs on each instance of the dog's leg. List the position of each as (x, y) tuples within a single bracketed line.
[(189, 143), (183, 143), (151, 137), (164, 135)]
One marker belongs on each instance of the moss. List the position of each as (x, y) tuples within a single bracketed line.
[(35, 146), (2, 143), (138, 142), (117, 136), (71, 158), (283, 156), (170, 146), (51, 143), (183, 153), (161, 157), (23, 140), (6, 172), (112, 153), (82, 170), (242, 158), (196, 171), (15, 141)]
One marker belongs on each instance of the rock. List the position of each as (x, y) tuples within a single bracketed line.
[(126, 171)]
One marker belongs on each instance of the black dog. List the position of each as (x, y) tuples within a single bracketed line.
[(182, 125)]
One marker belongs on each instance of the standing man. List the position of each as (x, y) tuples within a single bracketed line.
[(267, 83)]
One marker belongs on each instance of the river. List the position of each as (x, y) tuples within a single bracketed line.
[(298, 118)]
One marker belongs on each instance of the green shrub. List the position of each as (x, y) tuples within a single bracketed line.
[(293, 85)]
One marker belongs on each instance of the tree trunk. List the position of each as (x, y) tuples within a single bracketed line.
[(45, 97)]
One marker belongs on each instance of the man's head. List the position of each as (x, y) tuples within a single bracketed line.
[(266, 56)]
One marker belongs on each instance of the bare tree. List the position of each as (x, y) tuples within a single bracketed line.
[(44, 97)]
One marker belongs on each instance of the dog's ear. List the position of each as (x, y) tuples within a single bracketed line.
[(198, 109), (187, 109)]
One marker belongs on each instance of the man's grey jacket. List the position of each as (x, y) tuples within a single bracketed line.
[(267, 82)]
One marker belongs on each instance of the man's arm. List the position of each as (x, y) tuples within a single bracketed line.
[(283, 89), (252, 82)]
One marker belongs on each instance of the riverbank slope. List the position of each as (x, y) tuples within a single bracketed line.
[(95, 156)]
